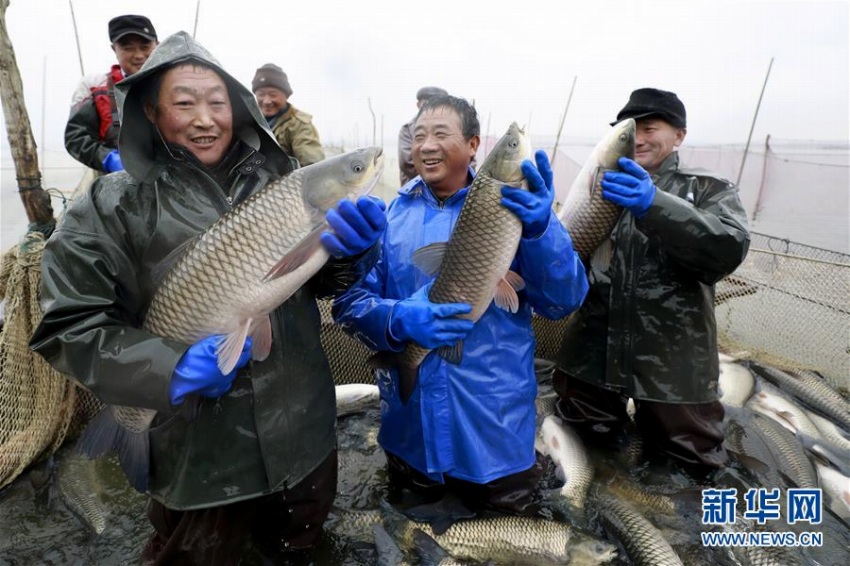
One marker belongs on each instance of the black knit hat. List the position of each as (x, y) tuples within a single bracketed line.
[(271, 75), (646, 102), (427, 92), (120, 26)]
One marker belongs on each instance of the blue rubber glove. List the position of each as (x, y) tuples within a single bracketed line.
[(632, 188), (197, 370), (534, 206), (356, 227), (430, 325), (112, 162)]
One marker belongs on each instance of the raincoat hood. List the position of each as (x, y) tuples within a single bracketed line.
[(139, 138)]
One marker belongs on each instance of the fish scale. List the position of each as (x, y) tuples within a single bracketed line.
[(644, 543), (221, 280)]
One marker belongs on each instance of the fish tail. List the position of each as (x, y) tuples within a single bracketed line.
[(104, 434), (429, 551), (408, 376)]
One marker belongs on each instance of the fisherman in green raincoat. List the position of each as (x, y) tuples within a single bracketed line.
[(647, 328), (257, 467)]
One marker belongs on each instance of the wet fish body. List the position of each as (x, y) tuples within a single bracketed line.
[(472, 267), (567, 451), (231, 277), (587, 216), (812, 391), (644, 543), (76, 483), (504, 539), (356, 398), (737, 384), (837, 486)]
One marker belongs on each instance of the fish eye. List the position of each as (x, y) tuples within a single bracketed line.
[(623, 137), (357, 167), (514, 143)]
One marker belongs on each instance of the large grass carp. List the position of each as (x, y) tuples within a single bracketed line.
[(473, 266), (567, 451), (811, 390), (588, 217), (231, 277), (506, 539), (644, 543)]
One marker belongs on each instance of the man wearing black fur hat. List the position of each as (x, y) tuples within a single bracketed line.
[(292, 127), (91, 135), (647, 328)]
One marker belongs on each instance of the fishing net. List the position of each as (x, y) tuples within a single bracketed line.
[(788, 305), (38, 406)]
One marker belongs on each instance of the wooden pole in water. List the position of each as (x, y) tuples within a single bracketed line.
[(753, 125), (563, 118), (35, 199)]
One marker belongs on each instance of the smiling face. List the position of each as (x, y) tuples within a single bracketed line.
[(655, 140), (270, 100), (440, 153), (132, 51), (193, 110)]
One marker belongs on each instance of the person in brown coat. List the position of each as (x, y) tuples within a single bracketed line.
[(292, 127)]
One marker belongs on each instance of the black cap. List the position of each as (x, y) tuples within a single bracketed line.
[(427, 92), (120, 26), (646, 102)]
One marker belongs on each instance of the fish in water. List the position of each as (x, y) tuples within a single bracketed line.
[(567, 452), (643, 542), (79, 488), (811, 390), (506, 540), (268, 246), (588, 217), (736, 384), (473, 266), (356, 398)]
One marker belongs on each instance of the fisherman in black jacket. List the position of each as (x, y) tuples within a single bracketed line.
[(647, 328)]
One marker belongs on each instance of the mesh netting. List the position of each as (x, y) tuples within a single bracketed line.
[(788, 305), (38, 406)]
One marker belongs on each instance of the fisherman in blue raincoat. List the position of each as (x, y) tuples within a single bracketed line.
[(468, 427)]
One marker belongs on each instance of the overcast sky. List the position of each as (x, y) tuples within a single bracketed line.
[(516, 60)]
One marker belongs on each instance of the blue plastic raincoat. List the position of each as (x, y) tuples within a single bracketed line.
[(473, 421)]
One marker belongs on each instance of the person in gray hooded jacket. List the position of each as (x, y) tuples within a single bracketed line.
[(256, 469)]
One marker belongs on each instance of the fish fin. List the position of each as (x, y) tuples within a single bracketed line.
[(595, 179), (441, 514), (389, 554), (298, 255), (506, 297), (105, 433), (230, 349), (99, 437), (261, 334), (428, 550), (429, 258), (452, 354), (515, 280), (161, 269)]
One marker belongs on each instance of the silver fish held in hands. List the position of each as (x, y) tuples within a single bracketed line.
[(473, 266), (230, 278), (587, 216)]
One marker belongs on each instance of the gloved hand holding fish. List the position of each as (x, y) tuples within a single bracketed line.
[(428, 324), (228, 280), (632, 188), (356, 226), (533, 206), (198, 372)]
